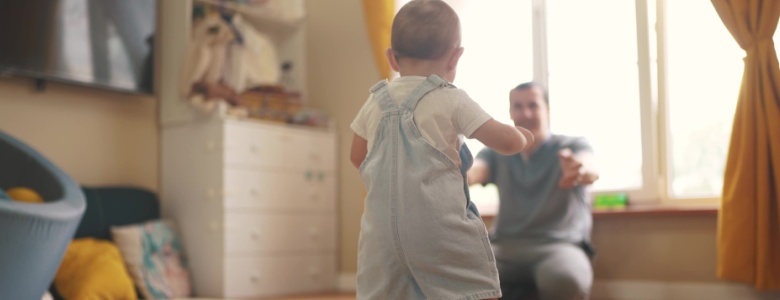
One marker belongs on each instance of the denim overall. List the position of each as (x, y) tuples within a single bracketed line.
[(421, 237)]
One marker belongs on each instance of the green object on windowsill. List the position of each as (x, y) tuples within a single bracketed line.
[(610, 201)]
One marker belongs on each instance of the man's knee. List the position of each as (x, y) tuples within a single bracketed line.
[(563, 284)]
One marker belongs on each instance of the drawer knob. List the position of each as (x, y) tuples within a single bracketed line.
[(253, 193), (254, 235), (254, 149), (315, 197)]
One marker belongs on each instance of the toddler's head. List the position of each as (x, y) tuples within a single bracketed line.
[(426, 33)]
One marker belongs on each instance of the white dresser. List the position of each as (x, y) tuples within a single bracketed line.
[(255, 203)]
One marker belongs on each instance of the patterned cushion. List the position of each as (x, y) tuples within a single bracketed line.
[(154, 257)]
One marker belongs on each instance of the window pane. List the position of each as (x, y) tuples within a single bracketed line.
[(594, 85), (490, 67), (704, 72)]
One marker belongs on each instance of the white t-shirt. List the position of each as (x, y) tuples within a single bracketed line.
[(442, 116)]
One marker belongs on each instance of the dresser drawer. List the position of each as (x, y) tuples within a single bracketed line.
[(263, 147), (279, 233), (279, 190), (279, 275)]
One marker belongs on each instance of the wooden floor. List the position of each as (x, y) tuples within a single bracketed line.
[(318, 297), (302, 297)]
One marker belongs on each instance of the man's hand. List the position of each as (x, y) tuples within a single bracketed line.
[(572, 167)]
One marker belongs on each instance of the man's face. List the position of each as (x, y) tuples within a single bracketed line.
[(528, 109)]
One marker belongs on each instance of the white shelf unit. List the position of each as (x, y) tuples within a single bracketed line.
[(278, 25), (255, 201), (288, 33)]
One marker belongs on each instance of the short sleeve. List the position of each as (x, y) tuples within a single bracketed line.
[(359, 124), (488, 156), (469, 116)]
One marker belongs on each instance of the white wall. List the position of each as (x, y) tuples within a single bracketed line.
[(341, 70)]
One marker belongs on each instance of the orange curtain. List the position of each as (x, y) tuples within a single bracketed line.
[(379, 21), (749, 220)]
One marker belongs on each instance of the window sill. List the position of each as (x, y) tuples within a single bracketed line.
[(659, 210), (646, 210)]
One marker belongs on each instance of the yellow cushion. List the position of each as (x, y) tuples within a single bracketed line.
[(24, 194), (93, 269)]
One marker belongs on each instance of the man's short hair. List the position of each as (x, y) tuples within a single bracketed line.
[(534, 84)]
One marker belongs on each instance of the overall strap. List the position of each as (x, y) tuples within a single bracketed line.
[(431, 83), (382, 95)]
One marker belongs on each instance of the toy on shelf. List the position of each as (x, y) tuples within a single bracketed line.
[(226, 57), (616, 201), (232, 62)]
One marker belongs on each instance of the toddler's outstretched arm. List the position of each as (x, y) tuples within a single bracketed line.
[(505, 139)]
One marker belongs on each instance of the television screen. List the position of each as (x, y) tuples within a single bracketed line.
[(101, 43)]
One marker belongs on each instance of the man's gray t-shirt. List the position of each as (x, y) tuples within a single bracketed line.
[(532, 207)]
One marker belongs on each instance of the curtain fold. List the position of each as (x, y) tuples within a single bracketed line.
[(379, 21), (749, 220)]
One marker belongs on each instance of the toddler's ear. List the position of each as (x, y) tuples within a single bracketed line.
[(452, 64), (391, 59)]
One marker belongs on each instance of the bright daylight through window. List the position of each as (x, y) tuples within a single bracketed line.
[(651, 85)]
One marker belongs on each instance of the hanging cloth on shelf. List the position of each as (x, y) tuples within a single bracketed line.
[(254, 62), (206, 58), (228, 18)]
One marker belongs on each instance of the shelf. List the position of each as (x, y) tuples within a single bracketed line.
[(261, 19), (659, 210), (225, 113), (644, 211), (272, 23)]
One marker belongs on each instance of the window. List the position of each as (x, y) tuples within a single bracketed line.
[(491, 66), (594, 90), (633, 77), (703, 73)]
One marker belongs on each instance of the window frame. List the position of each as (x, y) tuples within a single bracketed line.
[(653, 95)]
